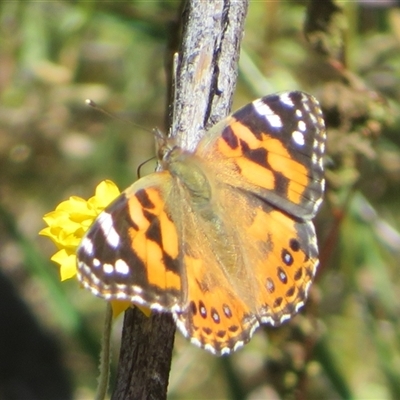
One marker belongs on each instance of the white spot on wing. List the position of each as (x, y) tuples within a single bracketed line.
[(298, 306), (86, 269), (237, 345), (227, 350), (87, 245), (195, 341), (285, 99), (96, 262), (298, 138), (121, 267), (155, 306), (318, 202), (95, 280), (268, 320), (284, 318), (272, 118), (93, 290), (314, 159), (307, 108), (175, 308), (210, 348), (105, 221), (108, 268), (302, 126), (256, 324)]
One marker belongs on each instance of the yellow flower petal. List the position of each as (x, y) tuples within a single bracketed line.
[(70, 220), (67, 261), (119, 306), (106, 192), (45, 232), (68, 268), (77, 209), (74, 203), (145, 310)]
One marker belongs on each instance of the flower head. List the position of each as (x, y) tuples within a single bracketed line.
[(68, 223)]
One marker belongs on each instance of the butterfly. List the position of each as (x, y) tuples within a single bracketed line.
[(222, 237)]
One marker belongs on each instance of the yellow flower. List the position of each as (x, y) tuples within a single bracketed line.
[(68, 223), (70, 220)]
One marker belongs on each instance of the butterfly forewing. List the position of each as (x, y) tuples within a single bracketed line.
[(273, 148), (131, 252)]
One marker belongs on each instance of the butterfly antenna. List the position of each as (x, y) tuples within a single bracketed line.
[(141, 165), (158, 134), (94, 105)]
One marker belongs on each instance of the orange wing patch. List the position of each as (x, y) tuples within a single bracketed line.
[(215, 318), (286, 273), (261, 160), (154, 238)]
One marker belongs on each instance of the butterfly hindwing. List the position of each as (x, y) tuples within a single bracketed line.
[(265, 278)]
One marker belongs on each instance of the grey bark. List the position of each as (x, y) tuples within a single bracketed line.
[(205, 80)]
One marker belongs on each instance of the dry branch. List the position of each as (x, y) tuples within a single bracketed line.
[(205, 81)]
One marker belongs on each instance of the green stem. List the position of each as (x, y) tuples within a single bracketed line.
[(105, 356)]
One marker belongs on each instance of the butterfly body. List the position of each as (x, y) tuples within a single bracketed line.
[(221, 237)]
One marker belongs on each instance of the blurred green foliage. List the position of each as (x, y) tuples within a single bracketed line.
[(54, 55)]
